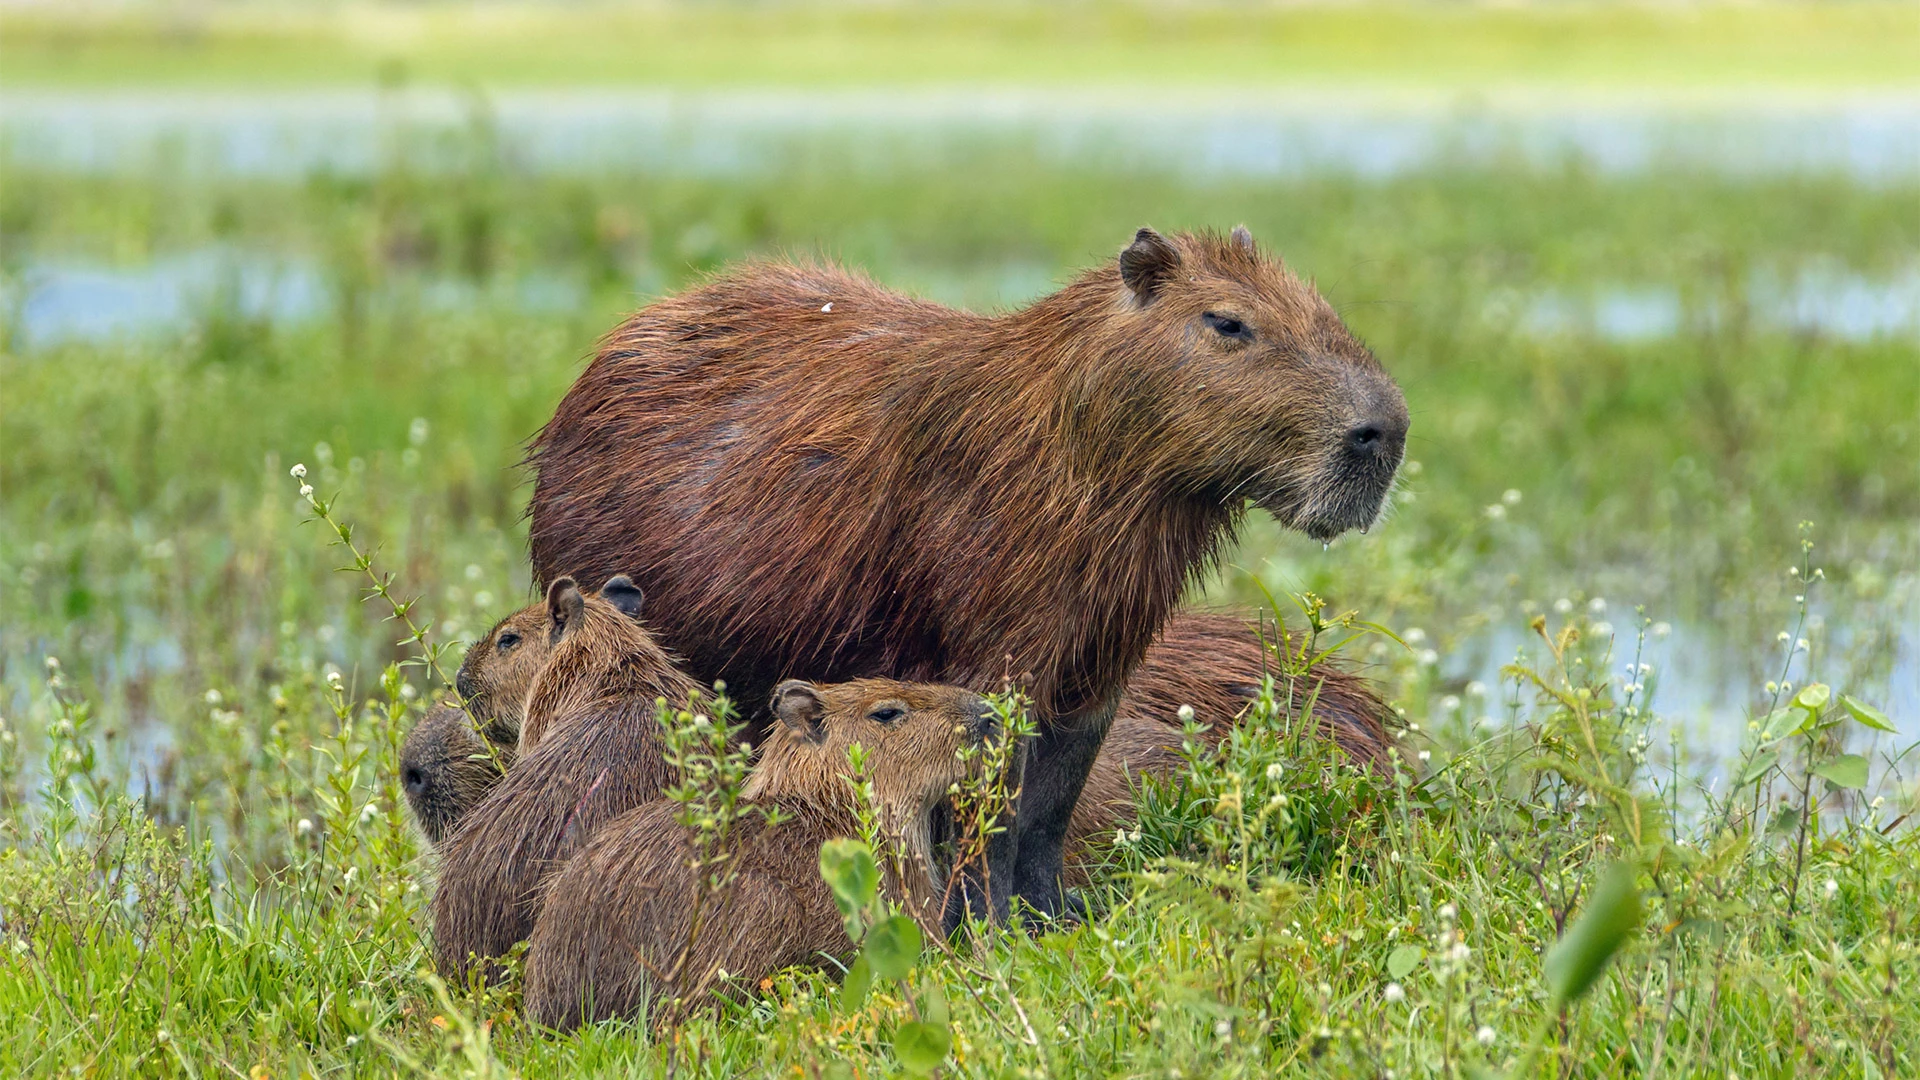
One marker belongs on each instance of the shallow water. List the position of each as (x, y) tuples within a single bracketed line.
[(1279, 132)]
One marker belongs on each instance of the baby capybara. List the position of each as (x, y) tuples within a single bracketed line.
[(595, 753), (616, 933), (816, 475), (1147, 731), (1211, 662)]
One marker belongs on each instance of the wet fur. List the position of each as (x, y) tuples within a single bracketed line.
[(889, 487), (614, 920)]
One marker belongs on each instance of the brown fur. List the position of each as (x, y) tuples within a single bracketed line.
[(1212, 662), (816, 475), (616, 918), (448, 764), (1215, 663), (596, 755)]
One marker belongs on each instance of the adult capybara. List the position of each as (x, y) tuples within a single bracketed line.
[(815, 475), (617, 928), (1147, 731), (596, 755), (1211, 662)]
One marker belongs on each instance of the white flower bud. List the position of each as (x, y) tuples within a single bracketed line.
[(1394, 993), (298, 472)]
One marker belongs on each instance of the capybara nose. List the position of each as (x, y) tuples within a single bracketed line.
[(463, 682), (414, 779), (986, 722), (1376, 439)]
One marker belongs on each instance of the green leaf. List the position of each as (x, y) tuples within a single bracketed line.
[(1867, 714), (1845, 771), (1813, 697), (1612, 914), (893, 947), (920, 1046), (1783, 722), (837, 1069), (1401, 960), (853, 876), (853, 990), (1761, 765)]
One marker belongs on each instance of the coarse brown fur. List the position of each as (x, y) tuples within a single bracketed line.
[(1230, 655), (595, 754), (816, 475), (449, 763), (617, 927), (1211, 662)]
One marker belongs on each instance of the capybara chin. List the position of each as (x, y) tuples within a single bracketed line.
[(593, 754), (1215, 664), (616, 929), (813, 474)]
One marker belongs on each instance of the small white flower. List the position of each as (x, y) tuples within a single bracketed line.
[(1476, 688), (1662, 629), (298, 472), (1446, 912), (1223, 1029), (1800, 645), (1772, 687), (1603, 628), (417, 431), (53, 664), (1449, 703), (1783, 637), (1460, 952), (1563, 605), (1496, 512), (1426, 755), (1484, 1036), (1414, 635), (213, 697), (1275, 771), (1511, 496), (304, 827), (1597, 605), (352, 872), (1832, 887), (353, 1040), (1394, 993), (1427, 657), (162, 1037), (1185, 713), (306, 491), (334, 680), (1878, 802)]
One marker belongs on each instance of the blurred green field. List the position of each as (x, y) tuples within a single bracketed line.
[(208, 867), (1868, 44)]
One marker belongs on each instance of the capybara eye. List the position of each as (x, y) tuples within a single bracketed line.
[(507, 641), (886, 714), (1227, 326)]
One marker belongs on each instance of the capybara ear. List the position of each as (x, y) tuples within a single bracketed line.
[(1243, 238), (1147, 263), (797, 703), (621, 592), (564, 605)]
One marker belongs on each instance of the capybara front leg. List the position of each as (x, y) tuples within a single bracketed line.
[(1057, 766)]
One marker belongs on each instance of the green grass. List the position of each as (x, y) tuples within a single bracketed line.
[(151, 540), (1716, 46)]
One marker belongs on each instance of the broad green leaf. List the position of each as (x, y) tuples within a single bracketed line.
[(1760, 767), (893, 947), (853, 876), (920, 1046), (1783, 722), (1612, 914), (1813, 697), (1867, 714), (1401, 960), (853, 990), (1846, 771)]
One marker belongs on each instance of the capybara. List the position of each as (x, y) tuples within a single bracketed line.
[(1147, 731), (598, 755), (450, 762), (1211, 662), (616, 931), (815, 475)]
